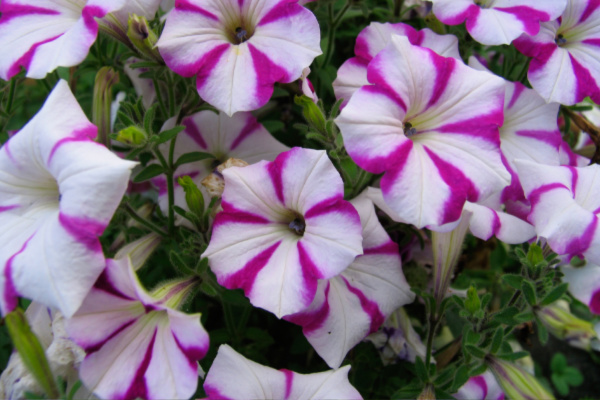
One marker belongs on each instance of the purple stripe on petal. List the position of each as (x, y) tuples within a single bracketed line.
[(90, 349), (289, 381), (193, 354), (484, 126), (86, 134), (89, 13), (309, 268), (275, 169), (185, 5), (534, 196), (105, 284), (471, 11), (25, 59), (574, 179), (480, 381), (139, 388), (579, 245), (311, 321), (191, 129), (376, 77), (586, 84), (595, 302), (496, 224), (529, 17), (519, 88), (85, 231), (550, 137), (267, 73), (203, 67), (10, 294), (332, 204), (461, 187), (10, 11), (214, 393), (592, 5), (596, 211), (230, 214), (8, 208), (368, 306), (245, 277), (361, 49), (251, 126), (444, 68), (283, 10), (593, 42), (390, 248)]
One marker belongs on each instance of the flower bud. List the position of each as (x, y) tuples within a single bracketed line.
[(214, 183), (564, 325), (143, 37), (516, 382), (133, 136), (193, 196), (312, 113), (173, 294), (102, 102), (140, 249)]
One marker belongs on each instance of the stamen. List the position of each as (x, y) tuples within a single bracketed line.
[(560, 40), (298, 226), (241, 34), (409, 130)]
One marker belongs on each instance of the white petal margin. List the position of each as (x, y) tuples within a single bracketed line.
[(494, 22), (355, 303), (199, 39), (136, 346), (255, 381), (371, 40), (483, 387), (58, 191), (584, 284), (41, 35), (565, 203), (254, 245)]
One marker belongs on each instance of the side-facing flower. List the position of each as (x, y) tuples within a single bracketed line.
[(41, 35), (238, 50), (565, 203), (559, 321), (352, 75), (58, 191), (516, 382), (483, 387), (356, 302), (431, 124), (584, 284), (284, 225), (566, 62), (137, 343), (495, 22), (255, 381)]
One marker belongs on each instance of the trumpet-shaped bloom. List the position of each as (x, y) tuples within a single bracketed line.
[(239, 136), (58, 191), (566, 62), (431, 124), (284, 225), (239, 49), (255, 381), (561, 323), (137, 343), (355, 303), (565, 203), (494, 22), (584, 285), (482, 387), (41, 35), (352, 75)]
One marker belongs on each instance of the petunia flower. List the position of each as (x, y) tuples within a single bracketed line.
[(238, 50), (41, 35), (355, 303), (494, 22), (516, 382), (562, 324), (255, 381), (137, 343), (284, 225), (584, 284), (565, 203), (431, 124), (239, 136), (483, 387), (566, 62), (352, 75), (58, 191)]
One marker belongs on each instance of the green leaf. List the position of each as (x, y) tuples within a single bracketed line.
[(149, 119), (506, 316), (149, 172), (529, 292), (167, 135), (461, 377), (542, 332), (535, 254), (572, 376), (31, 351), (202, 265), (497, 340), (513, 356), (421, 370), (208, 289), (558, 363), (513, 280), (524, 317), (475, 351), (478, 370), (470, 336), (555, 294), (561, 386), (180, 265), (192, 157)]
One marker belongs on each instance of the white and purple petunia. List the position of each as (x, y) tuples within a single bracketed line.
[(41, 35), (566, 59), (138, 344), (355, 303), (234, 377), (239, 136), (431, 124), (58, 191), (481, 387), (352, 75), (584, 284), (284, 225), (494, 22), (565, 203), (239, 49)]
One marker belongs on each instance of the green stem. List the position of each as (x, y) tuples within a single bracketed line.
[(171, 185), (11, 95), (143, 221), (514, 298), (333, 24), (171, 94), (433, 323), (161, 102)]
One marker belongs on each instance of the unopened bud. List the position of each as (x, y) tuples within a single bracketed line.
[(140, 249), (193, 196), (101, 102), (143, 37), (312, 113), (214, 183), (173, 294), (133, 136), (564, 325), (516, 382)]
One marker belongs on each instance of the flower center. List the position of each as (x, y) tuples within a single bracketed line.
[(560, 40), (297, 225), (409, 130)]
